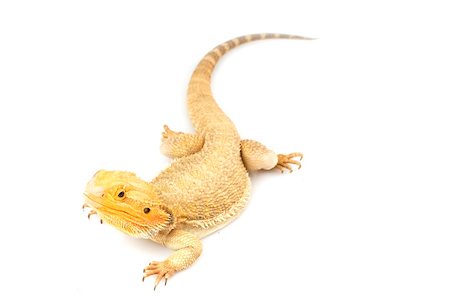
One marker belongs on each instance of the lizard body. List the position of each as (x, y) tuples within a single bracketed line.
[(206, 186)]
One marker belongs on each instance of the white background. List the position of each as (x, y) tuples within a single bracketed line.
[(86, 85)]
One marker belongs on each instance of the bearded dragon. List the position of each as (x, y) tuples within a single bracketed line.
[(206, 186)]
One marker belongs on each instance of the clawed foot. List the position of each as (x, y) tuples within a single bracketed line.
[(161, 270), (285, 160), (167, 133), (91, 212)]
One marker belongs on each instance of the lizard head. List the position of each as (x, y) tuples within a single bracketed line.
[(127, 202)]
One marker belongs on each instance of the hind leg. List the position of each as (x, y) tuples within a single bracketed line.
[(256, 156), (177, 144)]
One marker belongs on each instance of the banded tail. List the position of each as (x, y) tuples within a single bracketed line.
[(203, 109)]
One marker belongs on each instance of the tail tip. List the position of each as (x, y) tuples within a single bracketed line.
[(302, 37)]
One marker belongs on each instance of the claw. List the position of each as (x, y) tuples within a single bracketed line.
[(280, 168), (92, 212), (85, 205), (292, 161), (161, 270), (158, 279), (285, 160), (167, 132), (287, 166)]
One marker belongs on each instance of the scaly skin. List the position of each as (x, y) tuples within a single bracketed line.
[(204, 189)]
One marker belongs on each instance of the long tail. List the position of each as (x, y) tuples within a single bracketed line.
[(203, 109)]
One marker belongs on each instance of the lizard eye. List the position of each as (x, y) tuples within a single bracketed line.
[(121, 194), (146, 210)]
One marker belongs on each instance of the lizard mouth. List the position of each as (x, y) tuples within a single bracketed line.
[(112, 213), (131, 224)]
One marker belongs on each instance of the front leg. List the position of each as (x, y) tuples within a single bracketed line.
[(187, 249), (178, 144)]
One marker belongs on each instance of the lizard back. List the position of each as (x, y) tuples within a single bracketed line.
[(210, 187)]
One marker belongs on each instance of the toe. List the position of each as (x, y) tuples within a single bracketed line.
[(157, 280), (279, 167), (295, 162), (285, 165), (296, 154), (151, 267)]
